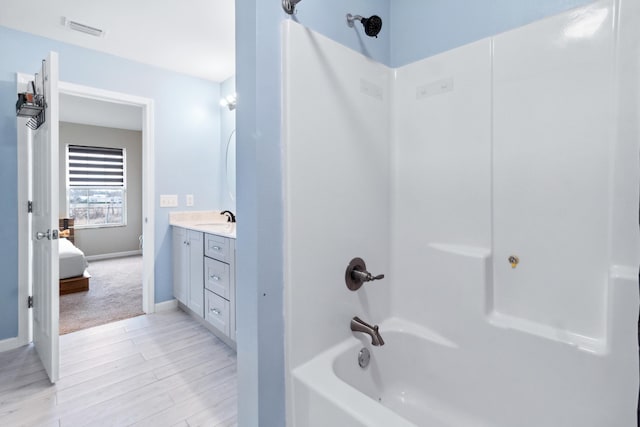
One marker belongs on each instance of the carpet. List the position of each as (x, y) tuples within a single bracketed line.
[(115, 293)]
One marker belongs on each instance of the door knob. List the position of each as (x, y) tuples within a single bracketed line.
[(50, 234)]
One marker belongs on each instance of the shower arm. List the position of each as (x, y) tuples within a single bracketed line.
[(351, 18), (289, 6)]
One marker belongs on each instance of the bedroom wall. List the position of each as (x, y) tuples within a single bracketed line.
[(107, 240), (187, 151)]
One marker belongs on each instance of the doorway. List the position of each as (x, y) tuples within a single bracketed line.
[(24, 171), (100, 206)]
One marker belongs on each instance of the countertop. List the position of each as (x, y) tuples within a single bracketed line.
[(204, 221)]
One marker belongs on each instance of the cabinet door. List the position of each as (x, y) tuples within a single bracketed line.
[(180, 272), (196, 272)]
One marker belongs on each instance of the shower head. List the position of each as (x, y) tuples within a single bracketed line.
[(372, 25)]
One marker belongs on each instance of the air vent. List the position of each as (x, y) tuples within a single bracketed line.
[(83, 28)]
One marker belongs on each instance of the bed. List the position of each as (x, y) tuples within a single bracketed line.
[(74, 276)]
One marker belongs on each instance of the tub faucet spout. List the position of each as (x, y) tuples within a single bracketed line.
[(358, 325)]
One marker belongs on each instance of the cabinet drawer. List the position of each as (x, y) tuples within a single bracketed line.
[(217, 247), (217, 277), (217, 312)]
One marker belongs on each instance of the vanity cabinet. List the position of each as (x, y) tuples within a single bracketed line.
[(180, 265), (204, 278), (188, 252), (219, 283)]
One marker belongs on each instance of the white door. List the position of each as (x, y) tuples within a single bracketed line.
[(45, 266)]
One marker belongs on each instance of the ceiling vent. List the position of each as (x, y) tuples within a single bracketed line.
[(83, 28)]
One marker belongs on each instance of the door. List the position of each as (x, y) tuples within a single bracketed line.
[(45, 223)]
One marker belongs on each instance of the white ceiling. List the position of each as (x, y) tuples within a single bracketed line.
[(194, 37), (86, 111)]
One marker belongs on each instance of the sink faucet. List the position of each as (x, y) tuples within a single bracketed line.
[(358, 325), (230, 216)]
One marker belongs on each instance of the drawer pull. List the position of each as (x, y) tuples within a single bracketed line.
[(216, 278), (217, 248), (215, 311)]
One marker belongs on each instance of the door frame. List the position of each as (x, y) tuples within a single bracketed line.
[(148, 191)]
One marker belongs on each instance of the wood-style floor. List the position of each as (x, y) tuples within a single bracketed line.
[(159, 370)]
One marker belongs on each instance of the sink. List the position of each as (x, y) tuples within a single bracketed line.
[(223, 227)]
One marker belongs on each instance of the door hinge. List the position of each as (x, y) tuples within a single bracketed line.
[(30, 206), (30, 302)]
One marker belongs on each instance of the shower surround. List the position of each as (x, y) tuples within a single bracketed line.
[(441, 174)]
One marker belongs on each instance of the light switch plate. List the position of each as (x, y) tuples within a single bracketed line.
[(168, 200), (189, 199)]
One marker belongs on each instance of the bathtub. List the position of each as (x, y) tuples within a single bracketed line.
[(389, 391), (420, 378)]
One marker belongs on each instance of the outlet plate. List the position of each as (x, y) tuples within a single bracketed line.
[(168, 200), (189, 199)]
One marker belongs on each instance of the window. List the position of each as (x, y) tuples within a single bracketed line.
[(96, 186)]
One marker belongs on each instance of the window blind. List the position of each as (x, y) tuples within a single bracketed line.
[(96, 166)]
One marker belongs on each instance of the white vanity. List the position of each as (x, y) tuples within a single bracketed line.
[(204, 273)]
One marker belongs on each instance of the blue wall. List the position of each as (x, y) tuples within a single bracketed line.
[(423, 28), (260, 208), (227, 125), (187, 134), (329, 18)]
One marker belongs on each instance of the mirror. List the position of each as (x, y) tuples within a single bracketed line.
[(230, 165)]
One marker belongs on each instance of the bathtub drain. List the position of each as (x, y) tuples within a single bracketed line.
[(364, 357)]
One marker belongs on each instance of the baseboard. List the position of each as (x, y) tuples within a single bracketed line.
[(10, 344), (113, 255), (167, 306)]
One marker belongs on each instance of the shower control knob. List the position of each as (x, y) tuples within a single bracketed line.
[(365, 276), (357, 274)]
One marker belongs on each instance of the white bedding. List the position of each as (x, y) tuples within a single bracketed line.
[(72, 260)]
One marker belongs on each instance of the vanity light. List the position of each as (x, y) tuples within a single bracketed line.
[(229, 101)]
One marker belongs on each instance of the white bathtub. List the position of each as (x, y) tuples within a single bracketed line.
[(393, 380), (388, 392), (419, 378)]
